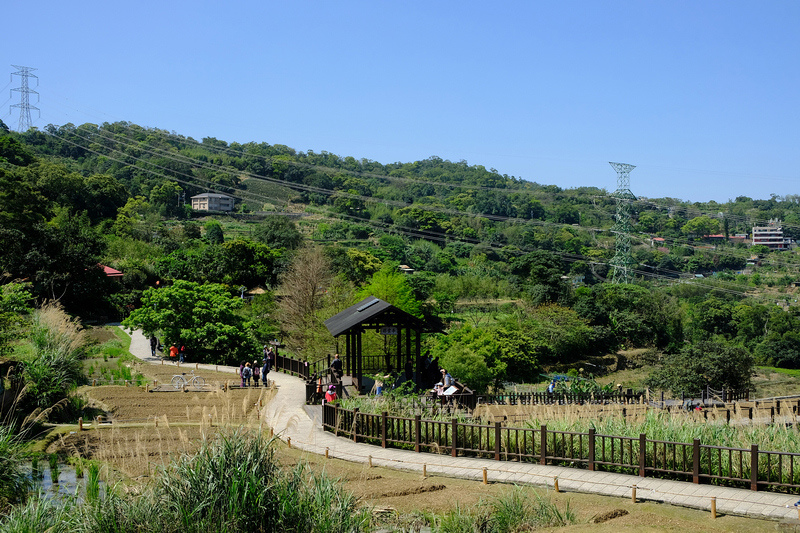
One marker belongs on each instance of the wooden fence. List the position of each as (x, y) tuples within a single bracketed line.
[(303, 369), (740, 467)]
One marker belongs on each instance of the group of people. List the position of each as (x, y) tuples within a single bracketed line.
[(176, 350), (257, 371)]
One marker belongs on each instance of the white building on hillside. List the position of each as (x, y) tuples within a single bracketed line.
[(771, 236), (210, 201)]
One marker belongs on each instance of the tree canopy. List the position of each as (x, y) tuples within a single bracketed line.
[(203, 317)]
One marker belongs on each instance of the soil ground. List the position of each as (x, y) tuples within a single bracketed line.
[(153, 427)]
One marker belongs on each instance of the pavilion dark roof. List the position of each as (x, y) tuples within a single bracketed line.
[(372, 312)]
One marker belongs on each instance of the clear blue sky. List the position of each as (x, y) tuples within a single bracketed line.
[(703, 97)]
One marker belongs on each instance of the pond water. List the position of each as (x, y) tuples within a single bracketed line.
[(68, 483)]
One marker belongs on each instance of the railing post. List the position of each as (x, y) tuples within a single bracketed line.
[(543, 445), (590, 466), (754, 467), (454, 451), (336, 419), (355, 424), (642, 454), (696, 461), (384, 416), (417, 431), (497, 436)]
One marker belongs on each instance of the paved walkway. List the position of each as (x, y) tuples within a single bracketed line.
[(291, 419)]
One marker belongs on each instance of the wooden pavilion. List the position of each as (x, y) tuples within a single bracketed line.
[(374, 313)]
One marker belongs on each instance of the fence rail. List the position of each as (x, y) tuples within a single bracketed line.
[(741, 467)]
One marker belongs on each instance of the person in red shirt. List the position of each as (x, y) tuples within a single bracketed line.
[(173, 351), (330, 395)]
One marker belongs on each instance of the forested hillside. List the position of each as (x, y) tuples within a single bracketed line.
[(515, 271)]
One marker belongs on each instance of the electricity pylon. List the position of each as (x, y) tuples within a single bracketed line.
[(622, 260), (25, 91)]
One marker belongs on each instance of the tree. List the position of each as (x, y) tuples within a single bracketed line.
[(354, 264), (214, 233), (14, 305), (278, 231), (709, 363), (131, 216), (391, 286), (471, 355), (249, 263), (304, 286), (701, 226), (14, 153), (541, 273), (167, 196), (204, 318), (60, 258)]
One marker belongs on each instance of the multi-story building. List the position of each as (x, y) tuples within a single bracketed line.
[(210, 201), (771, 236)]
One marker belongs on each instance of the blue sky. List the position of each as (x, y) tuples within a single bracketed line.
[(702, 96)]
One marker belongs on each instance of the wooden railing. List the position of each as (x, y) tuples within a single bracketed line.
[(741, 467)]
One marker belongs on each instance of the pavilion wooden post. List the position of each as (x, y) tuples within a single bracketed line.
[(399, 350), (419, 355), (408, 352), (359, 362), (347, 352)]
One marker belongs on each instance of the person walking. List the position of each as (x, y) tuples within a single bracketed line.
[(247, 372), (182, 353), (336, 368), (264, 371), (153, 345), (256, 374)]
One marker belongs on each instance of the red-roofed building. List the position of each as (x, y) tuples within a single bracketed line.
[(110, 272)]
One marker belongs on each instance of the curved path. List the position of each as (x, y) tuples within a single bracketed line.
[(292, 420)]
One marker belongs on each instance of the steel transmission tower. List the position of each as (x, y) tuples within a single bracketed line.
[(622, 261), (25, 91)]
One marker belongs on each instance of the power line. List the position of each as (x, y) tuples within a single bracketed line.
[(412, 232)]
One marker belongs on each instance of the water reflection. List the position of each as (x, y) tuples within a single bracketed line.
[(68, 484)]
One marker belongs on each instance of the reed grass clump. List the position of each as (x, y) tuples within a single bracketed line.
[(55, 368), (516, 510), (14, 483), (40, 514), (93, 483), (232, 484)]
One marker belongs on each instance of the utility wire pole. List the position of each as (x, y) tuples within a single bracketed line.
[(622, 260), (25, 91)]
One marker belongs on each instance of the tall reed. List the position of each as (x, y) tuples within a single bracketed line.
[(14, 483)]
